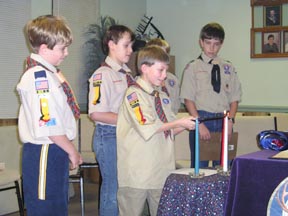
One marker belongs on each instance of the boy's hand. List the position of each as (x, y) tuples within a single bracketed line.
[(75, 160), (204, 132), (188, 123)]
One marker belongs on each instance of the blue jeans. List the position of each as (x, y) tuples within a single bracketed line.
[(213, 126), (104, 143)]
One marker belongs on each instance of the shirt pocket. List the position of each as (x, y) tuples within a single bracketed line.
[(203, 81), (226, 83)]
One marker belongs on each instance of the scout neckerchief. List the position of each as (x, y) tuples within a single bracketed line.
[(164, 89), (158, 107), (71, 100), (215, 75)]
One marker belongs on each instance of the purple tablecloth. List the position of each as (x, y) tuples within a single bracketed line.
[(183, 195), (253, 179)]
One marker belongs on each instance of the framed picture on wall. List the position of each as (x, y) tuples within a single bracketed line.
[(272, 15), (285, 41), (265, 2), (271, 42)]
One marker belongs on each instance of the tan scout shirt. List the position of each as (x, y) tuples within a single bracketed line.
[(37, 83), (196, 85), (173, 86), (107, 87), (144, 157)]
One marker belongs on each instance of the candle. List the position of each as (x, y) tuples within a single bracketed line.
[(196, 169), (224, 155)]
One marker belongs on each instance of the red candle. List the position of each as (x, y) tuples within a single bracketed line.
[(224, 144)]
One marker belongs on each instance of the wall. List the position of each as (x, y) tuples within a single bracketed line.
[(263, 80), (126, 12)]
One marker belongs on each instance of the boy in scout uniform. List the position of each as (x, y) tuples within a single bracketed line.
[(47, 116), (210, 86), (106, 91), (145, 136), (171, 82)]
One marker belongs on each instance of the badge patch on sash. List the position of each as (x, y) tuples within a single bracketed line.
[(97, 80), (134, 103), (227, 69)]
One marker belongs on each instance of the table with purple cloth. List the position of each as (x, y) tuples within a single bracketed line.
[(184, 195), (253, 179)]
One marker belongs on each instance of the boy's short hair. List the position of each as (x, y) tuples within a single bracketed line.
[(212, 31), (150, 55), (159, 42), (270, 36), (115, 33), (49, 30)]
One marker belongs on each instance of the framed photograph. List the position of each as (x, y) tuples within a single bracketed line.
[(266, 2), (285, 41), (271, 42), (272, 15)]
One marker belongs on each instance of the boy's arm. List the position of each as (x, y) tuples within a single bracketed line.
[(192, 110), (178, 125), (63, 142), (191, 107), (233, 109), (105, 117)]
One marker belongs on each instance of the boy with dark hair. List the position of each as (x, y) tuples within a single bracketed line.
[(47, 116), (210, 85), (145, 136), (107, 88)]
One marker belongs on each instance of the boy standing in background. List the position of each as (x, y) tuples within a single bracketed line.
[(210, 85), (47, 116), (106, 91), (171, 84)]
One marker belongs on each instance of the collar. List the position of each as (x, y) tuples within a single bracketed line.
[(42, 61), (147, 87), (207, 59), (115, 66)]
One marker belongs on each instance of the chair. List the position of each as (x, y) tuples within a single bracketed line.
[(209, 150), (89, 161), (9, 180)]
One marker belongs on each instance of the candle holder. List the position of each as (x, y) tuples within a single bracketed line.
[(194, 175), (220, 171)]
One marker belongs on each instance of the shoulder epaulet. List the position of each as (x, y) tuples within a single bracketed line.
[(188, 64)]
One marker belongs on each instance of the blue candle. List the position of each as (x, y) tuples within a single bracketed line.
[(196, 147)]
